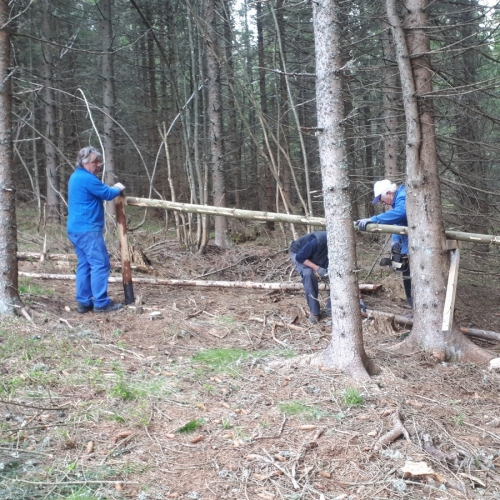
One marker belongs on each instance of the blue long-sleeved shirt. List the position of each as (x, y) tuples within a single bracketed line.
[(85, 196), (396, 217)]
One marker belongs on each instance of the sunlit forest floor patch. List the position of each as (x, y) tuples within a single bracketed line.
[(179, 396)]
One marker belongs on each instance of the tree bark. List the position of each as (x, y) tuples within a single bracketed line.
[(391, 108), (268, 179), (215, 118), (9, 296), (52, 210), (428, 258), (345, 350), (108, 96)]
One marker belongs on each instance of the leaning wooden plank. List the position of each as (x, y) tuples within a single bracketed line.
[(451, 289), (481, 334)]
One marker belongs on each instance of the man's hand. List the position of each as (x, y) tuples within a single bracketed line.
[(322, 272), (120, 186), (362, 223)]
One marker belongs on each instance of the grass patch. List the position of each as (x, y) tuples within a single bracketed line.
[(292, 408), (222, 360), (352, 397), (191, 426), (27, 288), (228, 360)]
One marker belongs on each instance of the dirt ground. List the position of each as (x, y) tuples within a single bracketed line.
[(189, 395)]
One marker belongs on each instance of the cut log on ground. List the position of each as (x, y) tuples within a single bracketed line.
[(47, 256), (286, 285), (481, 334), (398, 318)]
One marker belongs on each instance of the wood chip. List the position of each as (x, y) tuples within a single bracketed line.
[(225, 405), (474, 479), (280, 458), (170, 436), (197, 439), (118, 487), (254, 456), (90, 447), (259, 477), (325, 474), (307, 427), (122, 435), (415, 404), (266, 496)]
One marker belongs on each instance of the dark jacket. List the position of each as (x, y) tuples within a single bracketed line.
[(313, 247)]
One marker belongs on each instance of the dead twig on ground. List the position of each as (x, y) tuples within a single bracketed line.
[(390, 436)]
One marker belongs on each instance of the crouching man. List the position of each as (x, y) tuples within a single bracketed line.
[(309, 255)]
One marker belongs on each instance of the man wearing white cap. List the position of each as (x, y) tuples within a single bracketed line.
[(389, 194)]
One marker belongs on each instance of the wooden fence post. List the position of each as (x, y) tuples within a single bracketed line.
[(128, 288), (451, 290)]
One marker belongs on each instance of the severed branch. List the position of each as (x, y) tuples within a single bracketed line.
[(390, 436), (481, 334)]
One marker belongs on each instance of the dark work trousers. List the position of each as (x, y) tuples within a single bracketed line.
[(310, 283), (407, 285)]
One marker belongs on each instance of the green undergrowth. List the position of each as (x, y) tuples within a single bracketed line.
[(29, 289), (297, 408), (231, 360)]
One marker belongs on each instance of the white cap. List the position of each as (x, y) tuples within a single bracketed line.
[(382, 187)]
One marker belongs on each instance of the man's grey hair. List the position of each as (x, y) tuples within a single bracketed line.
[(85, 154)]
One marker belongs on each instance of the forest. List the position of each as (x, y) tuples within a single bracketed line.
[(282, 107)]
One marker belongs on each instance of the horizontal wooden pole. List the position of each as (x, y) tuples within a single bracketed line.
[(293, 219), (225, 211)]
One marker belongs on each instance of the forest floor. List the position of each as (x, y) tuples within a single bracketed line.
[(183, 397)]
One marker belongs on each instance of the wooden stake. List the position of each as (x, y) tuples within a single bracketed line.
[(128, 287), (451, 289)]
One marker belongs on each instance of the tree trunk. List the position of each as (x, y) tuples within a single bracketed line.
[(268, 178), (391, 109), (429, 260), (215, 118), (108, 96), (52, 211), (9, 296), (345, 350)]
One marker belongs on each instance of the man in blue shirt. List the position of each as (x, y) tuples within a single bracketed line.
[(85, 226), (309, 255), (389, 194)]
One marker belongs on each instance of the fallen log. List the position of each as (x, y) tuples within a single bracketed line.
[(398, 318), (61, 258), (481, 334), (200, 283), (47, 256)]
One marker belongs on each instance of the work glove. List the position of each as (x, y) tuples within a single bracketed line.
[(396, 248), (120, 186), (362, 223), (322, 272)]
